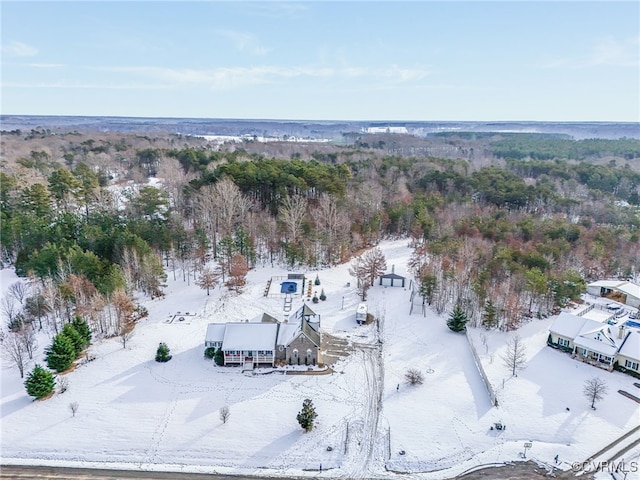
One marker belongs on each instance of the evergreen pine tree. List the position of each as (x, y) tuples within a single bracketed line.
[(307, 415), (490, 315), (323, 296), (61, 353), (458, 319), (317, 280), (82, 327), (39, 382), (75, 337), (162, 354)]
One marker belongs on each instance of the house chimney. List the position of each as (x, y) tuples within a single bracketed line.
[(620, 331), (393, 269)]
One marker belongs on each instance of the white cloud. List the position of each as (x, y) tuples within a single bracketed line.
[(46, 65), (231, 77), (607, 52), (244, 42), (18, 49)]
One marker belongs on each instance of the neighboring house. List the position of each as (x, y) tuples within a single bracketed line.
[(265, 340), (627, 292), (595, 342)]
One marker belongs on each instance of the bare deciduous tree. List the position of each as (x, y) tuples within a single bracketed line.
[(125, 336), (63, 384), (73, 406), (14, 351), (515, 358), (225, 413), (594, 389), (414, 376), (292, 213), (331, 223), (18, 290), (366, 268), (11, 309), (28, 338)]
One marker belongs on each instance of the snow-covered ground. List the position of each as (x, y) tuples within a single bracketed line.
[(137, 413)]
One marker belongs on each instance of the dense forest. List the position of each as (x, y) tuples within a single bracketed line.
[(509, 228)]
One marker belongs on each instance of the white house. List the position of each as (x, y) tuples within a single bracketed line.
[(264, 340), (629, 292), (249, 344), (595, 342)]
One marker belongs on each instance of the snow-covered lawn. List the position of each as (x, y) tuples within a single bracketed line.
[(137, 413)]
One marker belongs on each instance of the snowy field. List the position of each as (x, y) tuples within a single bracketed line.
[(137, 413)]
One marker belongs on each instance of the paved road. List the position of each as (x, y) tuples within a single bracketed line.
[(58, 473), (520, 471)]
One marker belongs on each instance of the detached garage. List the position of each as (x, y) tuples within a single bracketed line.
[(392, 280), (624, 292)]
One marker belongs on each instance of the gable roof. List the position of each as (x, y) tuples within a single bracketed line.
[(630, 347), (250, 336), (597, 337), (287, 332), (215, 332), (628, 288), (392, 275), (310, 333), (567, 325)]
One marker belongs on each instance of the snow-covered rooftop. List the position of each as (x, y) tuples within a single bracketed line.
[(250, 336), (631, 346), (288, 332), (215, 332), (568, 325)]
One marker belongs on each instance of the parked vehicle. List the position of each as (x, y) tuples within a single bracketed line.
[(361, 313)]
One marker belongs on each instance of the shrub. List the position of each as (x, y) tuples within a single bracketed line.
[(323, 297), (162, 354), (414, 376), (219, 357), (317, 280), (210, 352)]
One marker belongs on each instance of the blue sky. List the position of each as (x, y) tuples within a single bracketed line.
[(420, 60)]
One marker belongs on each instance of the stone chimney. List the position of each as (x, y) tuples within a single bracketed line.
[(621, 331)]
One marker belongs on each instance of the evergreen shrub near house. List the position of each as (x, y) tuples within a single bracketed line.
[(622, 369), (162, 354), (317, 280), (219, 357), (315, 299), (210, 352), (323, 297), (40, 382)]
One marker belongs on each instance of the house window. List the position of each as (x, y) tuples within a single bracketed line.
[(585, 352), (563, 342), (631, 365)]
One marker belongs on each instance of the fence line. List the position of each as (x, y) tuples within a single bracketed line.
[(483, 375)]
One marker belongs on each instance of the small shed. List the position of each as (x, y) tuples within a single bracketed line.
[(392, 280)]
